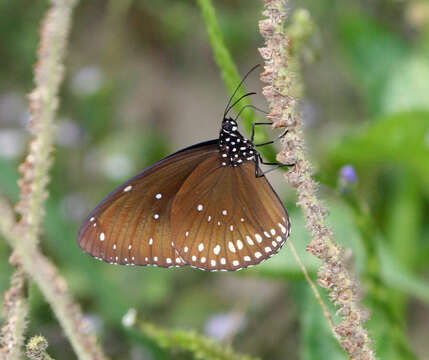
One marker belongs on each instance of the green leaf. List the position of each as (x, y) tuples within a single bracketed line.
[(400, 140), (375, 53), (408, 86), (398, 277)]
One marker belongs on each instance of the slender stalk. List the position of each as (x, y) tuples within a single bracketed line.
[(333, 275), (54, 288), (48, 75), (314, 288), (24, 236), (16, 312)]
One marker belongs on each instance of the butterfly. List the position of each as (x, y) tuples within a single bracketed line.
[(208, 206)]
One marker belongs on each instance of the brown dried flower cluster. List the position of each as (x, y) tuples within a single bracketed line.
[(343, 289)]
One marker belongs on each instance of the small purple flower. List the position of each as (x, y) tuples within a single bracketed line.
[(348, 174)]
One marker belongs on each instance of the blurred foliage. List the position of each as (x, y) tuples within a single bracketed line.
[(142, 82)]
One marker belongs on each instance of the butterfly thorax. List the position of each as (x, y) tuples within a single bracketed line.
[(234, 149)]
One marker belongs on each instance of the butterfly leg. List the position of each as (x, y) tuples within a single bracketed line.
[(268, 142), (252, 137), (274, 140), (258, 170)]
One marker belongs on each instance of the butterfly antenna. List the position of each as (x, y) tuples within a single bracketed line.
[(237, 101), (249, 106), (227, 108)]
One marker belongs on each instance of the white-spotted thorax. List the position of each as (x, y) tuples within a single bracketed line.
[(233, 147)]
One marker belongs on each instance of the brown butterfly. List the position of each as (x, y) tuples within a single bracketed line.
[(208, 206)]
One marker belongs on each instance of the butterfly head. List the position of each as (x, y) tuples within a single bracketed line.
[(233, 147), (229, 126)]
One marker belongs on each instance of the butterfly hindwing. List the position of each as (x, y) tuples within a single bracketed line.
[(225, 218), (132, 225)]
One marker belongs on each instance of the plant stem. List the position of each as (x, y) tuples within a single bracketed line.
[(333, 274), (16, 311), (24, 236)]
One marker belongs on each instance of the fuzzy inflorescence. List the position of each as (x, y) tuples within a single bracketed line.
[(333, 275)]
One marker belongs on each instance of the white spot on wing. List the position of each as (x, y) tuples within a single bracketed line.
[(249, 240), (102, 236), (200, 207), (258, 254), (201, 247), (224, 212), (156, 216), (223, 261), (185, 249), (231, 247), (235, 263), (239, 244), (128, 188), (216, 250), (273, 231), (282, 228), (203, 260), (247, 258), (92, 219), (258, 238), (213, 262), (158, 196)]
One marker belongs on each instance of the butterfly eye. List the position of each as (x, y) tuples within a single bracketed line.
[(227, 126)]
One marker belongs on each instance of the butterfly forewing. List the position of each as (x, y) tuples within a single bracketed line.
[(132, 225), (226, 218)]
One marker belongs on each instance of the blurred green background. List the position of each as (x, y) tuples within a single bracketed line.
[(141, 83)]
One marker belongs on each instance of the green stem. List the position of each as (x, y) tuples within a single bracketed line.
[(201, 347), (379, 294), (230, 73)]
